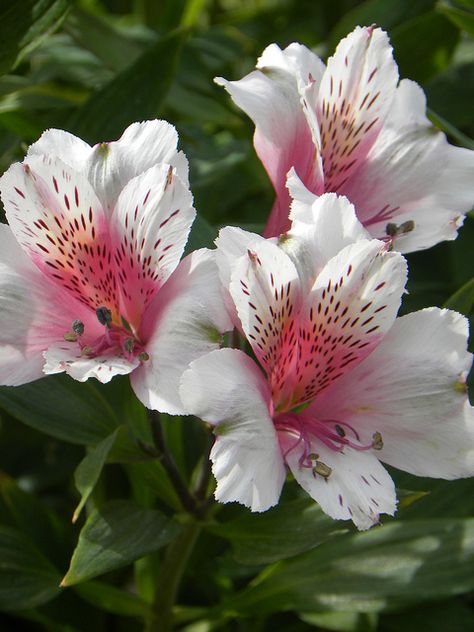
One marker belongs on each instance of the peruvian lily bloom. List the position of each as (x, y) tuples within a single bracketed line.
[(91, 281), (352, 128), (339, 383)]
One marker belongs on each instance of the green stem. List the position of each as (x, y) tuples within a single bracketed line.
[(171, 572)]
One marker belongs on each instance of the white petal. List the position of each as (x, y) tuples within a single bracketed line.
[(270, 97), (354, 301), (142, 145), (411, 390), (57, 143), (266, 291), (226, 388), (355, 96), (149, 230), (67, 357), (358, 487), (184, 321), (321, 228), (413, 173), (56, 217), (34, 314), (232, 243)]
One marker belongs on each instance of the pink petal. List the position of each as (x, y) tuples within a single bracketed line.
[(35, 314), (149, 230), (58, 220), (183, 322), (271, 97), (353, 303), (356, 93), (266, 291)]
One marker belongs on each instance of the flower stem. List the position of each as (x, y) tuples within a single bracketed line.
[(171, 572), (187, 499)]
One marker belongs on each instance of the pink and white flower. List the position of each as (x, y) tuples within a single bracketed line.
[(91, 281), (352, 128), (340, 384)]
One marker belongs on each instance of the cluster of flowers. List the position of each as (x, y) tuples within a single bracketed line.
[(91, 283)]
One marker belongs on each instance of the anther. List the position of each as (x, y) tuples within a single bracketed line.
[(377, 441), (70, 336), (143, 356), (86, 350), (104, 316), (129, 344), (407, 227), (322, 469), (340, 430), (391, 229), (78, 327)]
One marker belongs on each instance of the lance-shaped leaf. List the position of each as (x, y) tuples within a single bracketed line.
[(116, 535), (23, 25), (399, 564)]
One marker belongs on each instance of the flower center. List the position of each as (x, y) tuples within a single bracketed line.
[(115, 340), (334, 434)]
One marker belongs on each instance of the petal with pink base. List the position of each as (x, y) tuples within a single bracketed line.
[(266, 291), (353, 303), (356, 93), (35, 313), (356, 488), (184, 321), (412, 174), (58, 220), (271, 97), (412, 390), (226, 389), (149, 230)]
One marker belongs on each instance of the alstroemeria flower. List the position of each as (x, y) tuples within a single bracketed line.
[(90, 278), (353, 129), (341, 384)]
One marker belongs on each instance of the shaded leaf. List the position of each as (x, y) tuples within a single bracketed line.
[(399, 563), (23, 25), (461, 18), (115, 535), (137, 93), (27, 579), (284, 531), (463, 300), (111, 599), (62, 408)]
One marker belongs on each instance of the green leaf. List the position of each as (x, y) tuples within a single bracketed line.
[(115, 535), (202, 235), (463, 300), (24, 25), (137, 93), (461, 18), (62, 408), (398, 564), (27, 579), (342, 621), (284, 531), (424, 46), (111, 599), (89, 469)]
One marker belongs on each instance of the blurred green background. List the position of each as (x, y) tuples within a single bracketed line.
[(93, 67)]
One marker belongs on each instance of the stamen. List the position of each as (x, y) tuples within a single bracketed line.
[(78, 327), (104, 316), (340, 430), (143, 356), (70, 336), (86, 350), (322, 469), (129, 344), (377, 441), (393, 230)]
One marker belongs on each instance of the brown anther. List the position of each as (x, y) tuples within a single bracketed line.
[(86, 350), (322, 469), (78, 327), (143, 356), (377, 441), (392, 230), (407, 227), (70, 336), (129, 344)]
